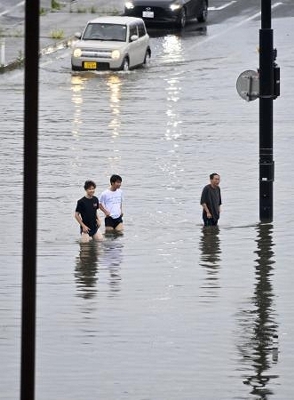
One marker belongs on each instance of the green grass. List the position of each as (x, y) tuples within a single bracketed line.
[(57, 34), (43, 11), (94, 10), (55, 5), (20, 57)]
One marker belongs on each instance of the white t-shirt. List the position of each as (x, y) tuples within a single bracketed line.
[(112, 201)]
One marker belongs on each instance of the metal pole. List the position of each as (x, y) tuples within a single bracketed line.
[(28, 322), (2, 52), (266, 163)]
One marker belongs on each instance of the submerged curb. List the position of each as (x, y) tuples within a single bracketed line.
[(51, 48)]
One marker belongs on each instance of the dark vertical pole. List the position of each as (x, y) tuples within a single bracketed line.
[(266, 163), (28, 321)]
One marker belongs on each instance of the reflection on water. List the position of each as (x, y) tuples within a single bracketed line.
[(196, 30), (77, 86), (86, 271), (191, 29), (210, 259), (96, 258), (258, 344), (111, 260), (174, 121), (114, 84), (172, 47)]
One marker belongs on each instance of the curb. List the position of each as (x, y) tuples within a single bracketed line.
[(51, 48)]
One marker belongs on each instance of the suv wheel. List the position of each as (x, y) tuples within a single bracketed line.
[(181, 23), (202, 17)]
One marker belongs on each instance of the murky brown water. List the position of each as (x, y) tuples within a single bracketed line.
[(169, 311)]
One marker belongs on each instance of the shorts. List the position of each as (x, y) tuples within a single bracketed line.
[(209, 221), (113, 222), (91, 232)]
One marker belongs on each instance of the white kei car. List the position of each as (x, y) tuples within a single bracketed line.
[(111, 43)]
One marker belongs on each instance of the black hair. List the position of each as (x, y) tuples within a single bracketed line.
[(89, 184), (211, 176), (115, 178)]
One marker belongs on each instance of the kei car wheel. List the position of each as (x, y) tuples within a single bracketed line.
[(147, 58), (202, 17), (181, 23), (125, 64)]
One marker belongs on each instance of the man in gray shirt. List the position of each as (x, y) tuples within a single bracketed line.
[(211, 201)]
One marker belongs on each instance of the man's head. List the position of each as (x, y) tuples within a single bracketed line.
[(90, 187), (115, 181), (88, 184), (214, 179)]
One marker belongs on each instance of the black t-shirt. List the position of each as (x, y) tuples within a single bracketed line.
[(212, 198), (88, 210)]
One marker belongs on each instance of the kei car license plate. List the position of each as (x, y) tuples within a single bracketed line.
[(148, 14), (90, 64)]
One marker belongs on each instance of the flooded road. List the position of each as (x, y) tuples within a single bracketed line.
[(169, 311)]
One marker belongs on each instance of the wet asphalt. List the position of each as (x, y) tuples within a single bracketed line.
[(168, 311)]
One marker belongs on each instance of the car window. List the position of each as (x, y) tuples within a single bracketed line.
[(133, 31), (142, 30), (100, 31)]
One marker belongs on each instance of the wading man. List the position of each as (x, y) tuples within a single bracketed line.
[(211, 201), (87, 214), (111, 205)]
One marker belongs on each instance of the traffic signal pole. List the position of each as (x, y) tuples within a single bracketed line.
[(30, 183), (267, 89)]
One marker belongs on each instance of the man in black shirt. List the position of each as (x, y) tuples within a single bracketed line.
[(211, 201), (87, 214)]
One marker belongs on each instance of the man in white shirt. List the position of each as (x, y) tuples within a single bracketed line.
[(110, 204)]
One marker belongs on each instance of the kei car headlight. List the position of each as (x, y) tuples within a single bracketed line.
[(129, 5), (77, 52), (175, 6), (115, 54)]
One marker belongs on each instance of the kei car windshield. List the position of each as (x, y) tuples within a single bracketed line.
[(100, 31)]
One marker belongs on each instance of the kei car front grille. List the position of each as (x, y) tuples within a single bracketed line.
[(92, 53)]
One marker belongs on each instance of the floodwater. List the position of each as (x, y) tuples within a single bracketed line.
[(169, 310)]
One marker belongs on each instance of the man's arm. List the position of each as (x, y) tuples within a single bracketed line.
[(80, 221), (206, 209), (98, 219), (103, 209), (203, 203)]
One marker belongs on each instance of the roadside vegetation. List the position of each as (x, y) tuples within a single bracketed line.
[(17, 33), (57, 34), (55, 5), (94, 10)]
